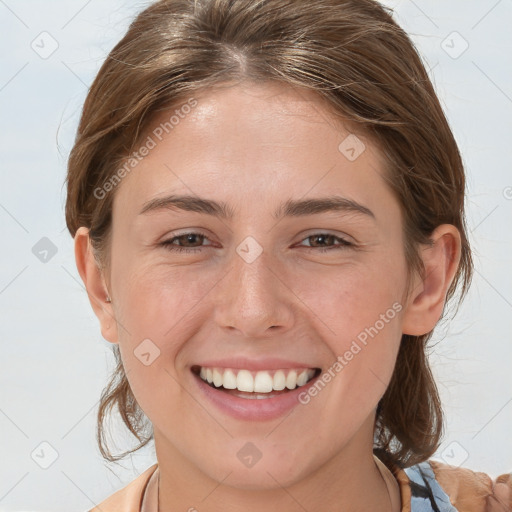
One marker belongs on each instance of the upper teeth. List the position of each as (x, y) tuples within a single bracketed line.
[(258, 382)]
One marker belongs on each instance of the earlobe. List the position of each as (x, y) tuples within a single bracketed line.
[(95, 285), (426, 302)]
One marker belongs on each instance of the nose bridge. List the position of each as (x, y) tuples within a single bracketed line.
[(253, 298)]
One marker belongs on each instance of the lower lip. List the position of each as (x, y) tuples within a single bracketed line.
[(253, 409)]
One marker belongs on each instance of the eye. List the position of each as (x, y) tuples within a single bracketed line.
[(326, 238), (185, 238)]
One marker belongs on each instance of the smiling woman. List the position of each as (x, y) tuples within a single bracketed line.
[(282, 229)]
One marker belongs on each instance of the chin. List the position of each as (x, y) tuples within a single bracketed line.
[(261, 477), (267, 468)]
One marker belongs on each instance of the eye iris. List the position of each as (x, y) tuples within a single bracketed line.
[(323, 238), (190, 237)]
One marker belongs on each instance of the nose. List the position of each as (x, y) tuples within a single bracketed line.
[(254, 298)]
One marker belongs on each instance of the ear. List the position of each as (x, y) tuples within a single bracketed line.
[(95, 284), (427, 299)]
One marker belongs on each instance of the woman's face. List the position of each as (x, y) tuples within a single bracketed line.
[(269, 282)]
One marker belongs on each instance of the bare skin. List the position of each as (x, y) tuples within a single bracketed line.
[(254, 147)]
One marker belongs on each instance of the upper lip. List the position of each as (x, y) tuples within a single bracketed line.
[(242, 363)]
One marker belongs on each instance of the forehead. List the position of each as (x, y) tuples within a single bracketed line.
[(256, 142)]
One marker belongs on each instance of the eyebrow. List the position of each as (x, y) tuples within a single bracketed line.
[(290, 208)]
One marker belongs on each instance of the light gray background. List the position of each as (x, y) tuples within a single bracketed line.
[(54, 361)]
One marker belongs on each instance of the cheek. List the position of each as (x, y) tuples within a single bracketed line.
[(346, 300), (357, 312), (151, 313), (157, 301)]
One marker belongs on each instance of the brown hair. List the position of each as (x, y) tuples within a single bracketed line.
[(355, 57)]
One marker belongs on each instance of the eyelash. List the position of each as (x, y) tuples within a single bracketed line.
[(169, 245)]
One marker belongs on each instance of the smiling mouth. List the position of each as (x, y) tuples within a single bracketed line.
[(255, 384)]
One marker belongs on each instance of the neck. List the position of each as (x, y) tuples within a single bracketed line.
[(348, 481)]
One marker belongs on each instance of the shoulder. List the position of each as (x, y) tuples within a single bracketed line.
[(129, 498), (456, 489)]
